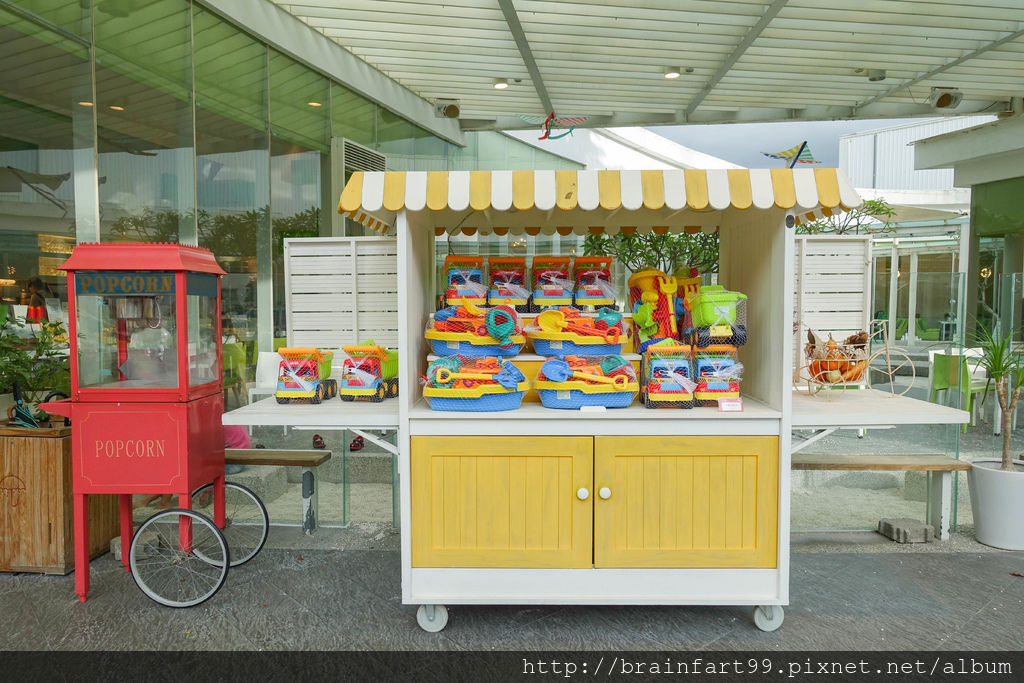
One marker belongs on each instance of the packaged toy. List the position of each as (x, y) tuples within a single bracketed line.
[(470, 330), (717, 373), (593, 278), (302, 376), (474, 384), (464, 280), (668, 376), (573, 382), (369, 373), (508, 282), (718, 316), (566, 331), (552, 283), (652, 301)]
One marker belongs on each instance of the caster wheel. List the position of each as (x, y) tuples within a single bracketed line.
[(433, 618), (768, 617)]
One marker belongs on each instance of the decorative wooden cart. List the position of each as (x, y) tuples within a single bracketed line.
[(146, 404), (624, 506)]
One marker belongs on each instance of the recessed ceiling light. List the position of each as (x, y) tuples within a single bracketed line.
[(314, 104), (116, 107), (85, 104), (672, 71), (500, 83)]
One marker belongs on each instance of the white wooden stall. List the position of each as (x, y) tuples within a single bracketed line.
[(626, 506)]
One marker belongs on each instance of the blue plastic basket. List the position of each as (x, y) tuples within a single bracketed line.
[(578, 399), (483, 404), (441, 348), (544, 347)]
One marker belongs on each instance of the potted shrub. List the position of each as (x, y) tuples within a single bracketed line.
[(997, 484), (39, 362)]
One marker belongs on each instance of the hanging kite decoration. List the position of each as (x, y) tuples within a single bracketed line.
[(800, 154), (568, 122)]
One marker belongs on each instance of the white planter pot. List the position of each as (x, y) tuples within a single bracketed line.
[(997, 500)]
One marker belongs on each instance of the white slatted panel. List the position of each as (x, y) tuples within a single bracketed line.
[(341, 290), (833, 287)]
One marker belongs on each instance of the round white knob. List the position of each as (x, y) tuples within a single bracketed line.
[(582, 493), (605, 493)]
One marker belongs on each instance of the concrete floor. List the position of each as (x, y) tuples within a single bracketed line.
[(340, 590)]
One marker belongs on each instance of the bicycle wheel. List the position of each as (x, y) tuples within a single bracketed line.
[(172, 572), (246, 522), (884, 366)]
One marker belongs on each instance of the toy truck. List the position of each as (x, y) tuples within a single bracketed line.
[(552, 283), (718, 374), (669, 377), (719, 316), (369, 373), (302, 376), (508, 281), (593, 278), (464, 280)]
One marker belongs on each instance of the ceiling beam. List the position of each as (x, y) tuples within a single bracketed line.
[(512, 19), (939, 69), (735, 55)]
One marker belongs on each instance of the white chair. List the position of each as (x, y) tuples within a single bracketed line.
[(266, 375)]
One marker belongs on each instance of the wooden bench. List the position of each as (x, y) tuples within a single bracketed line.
[(940, 470), (308, 460)]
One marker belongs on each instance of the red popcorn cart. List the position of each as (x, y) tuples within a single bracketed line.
[(145, 408)]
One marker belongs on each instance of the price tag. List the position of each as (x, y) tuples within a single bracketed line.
[(555, 343), (721, 331), (453, 345), (563, 395), (730, 405)]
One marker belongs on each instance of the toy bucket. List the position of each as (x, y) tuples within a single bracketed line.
[(713, 306)]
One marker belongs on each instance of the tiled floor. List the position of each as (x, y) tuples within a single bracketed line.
[(350, 599)]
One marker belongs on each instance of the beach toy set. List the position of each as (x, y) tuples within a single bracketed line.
[(369, 373), (668, 376), (464, 280), (303, 376), (717, 372), (593, 278), (479, 384), (566, 331), (718, 316), (574, 382), (470, 330), (552, 282), (508, 276)]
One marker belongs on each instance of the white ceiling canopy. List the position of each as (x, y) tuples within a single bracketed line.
[(740, 60)]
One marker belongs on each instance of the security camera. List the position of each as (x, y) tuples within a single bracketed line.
[(446, 109)]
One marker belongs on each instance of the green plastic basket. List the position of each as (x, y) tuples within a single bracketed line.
[(714, 305)]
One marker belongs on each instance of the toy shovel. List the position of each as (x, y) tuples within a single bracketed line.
[(609, 317), (554, 321), (559, 371), (508, 377)]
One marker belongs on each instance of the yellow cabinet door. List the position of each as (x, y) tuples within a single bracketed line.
[(502, 501), (688, 502)]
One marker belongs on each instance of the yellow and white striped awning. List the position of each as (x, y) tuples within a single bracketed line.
[(581, 202)]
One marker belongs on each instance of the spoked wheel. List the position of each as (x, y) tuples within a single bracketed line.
[(885, 366), (246, 522), (179, 558)]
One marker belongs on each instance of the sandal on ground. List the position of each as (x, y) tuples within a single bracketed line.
[(357, 444), (318, 441)]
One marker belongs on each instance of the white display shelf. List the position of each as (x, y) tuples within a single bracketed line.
[(535, 419), (868, 408), (535, 357), (331, 414)]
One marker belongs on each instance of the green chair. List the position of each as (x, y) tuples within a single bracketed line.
[(925, 333), (233, 356), (949, 371), (901, 329)]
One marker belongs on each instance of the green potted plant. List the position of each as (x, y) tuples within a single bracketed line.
[(997, 484), (38, 362)]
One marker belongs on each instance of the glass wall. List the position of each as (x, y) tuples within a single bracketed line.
[(167, 123)]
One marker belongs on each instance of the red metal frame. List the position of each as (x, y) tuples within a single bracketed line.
[(152, 441)]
